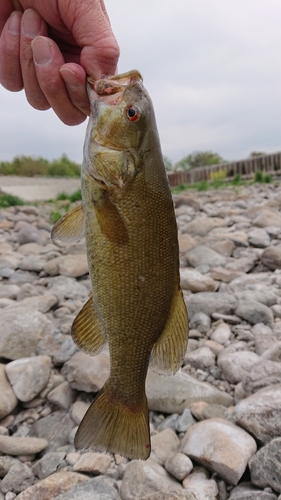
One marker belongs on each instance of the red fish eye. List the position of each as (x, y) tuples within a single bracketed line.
[(133, 113)]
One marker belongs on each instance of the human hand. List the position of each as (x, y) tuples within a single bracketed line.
[(48, 47)]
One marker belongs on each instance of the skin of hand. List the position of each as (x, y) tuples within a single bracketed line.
[(48, 47)]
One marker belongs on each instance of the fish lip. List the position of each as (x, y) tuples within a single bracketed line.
[(110, 90)]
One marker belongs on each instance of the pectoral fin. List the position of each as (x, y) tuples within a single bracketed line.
[(110, 220), (168, 352), (87, 331), (71, 226)]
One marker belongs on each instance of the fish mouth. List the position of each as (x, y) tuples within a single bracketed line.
[(110, 90)]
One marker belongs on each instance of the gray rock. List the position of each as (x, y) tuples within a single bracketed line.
[(98, 488), (168, 423), (28, 376), (48, 464), (237, 364), (149, 477), (29, 234), (21, 445), (6, 463), (255, 312), (264, 294), (263, 337), (93, 463), (8, 400), (52, 486), (221, 446), (222, 333), (210, 302), (194, 281), (262, 374), (55, 428), (64, 287), (66, 350), (266, 217), (273, 353), (164, 444), (198, 483), (41, 303), (31, 263), (244, 264), (179, 391), (259, 238), (245, 491), (265, 466), (200, 322), (18, 478), (260, 413), (178, 465), (85, 372), (205, 255), (9, 291), (202, 358), (62, 396), (21, 330), (271, 257), (185, 421)]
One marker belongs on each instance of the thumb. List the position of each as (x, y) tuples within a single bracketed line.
[(92, 32)]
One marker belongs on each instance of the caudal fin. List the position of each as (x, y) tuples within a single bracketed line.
[(114, 427)]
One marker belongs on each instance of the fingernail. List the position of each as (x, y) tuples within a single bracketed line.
[(31, 23), (41, 50), (14, 23), (70, 79)]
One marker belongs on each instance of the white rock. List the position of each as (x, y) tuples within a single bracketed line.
[(200, 485), (221, 446), (163, 444), (8, 400), (29, 376), (237, 364), (260, 414), (222, 333), (179, 465)]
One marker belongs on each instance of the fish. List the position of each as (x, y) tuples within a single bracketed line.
[(136, 304)]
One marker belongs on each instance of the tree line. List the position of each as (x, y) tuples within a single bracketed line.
[(29, 166)]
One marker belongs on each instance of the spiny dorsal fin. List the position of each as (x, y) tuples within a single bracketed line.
[(168, 352), (87, 331), (71, 226)]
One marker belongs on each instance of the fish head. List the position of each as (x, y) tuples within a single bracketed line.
[(121, 115)]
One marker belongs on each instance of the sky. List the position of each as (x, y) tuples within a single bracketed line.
[(212, 68)]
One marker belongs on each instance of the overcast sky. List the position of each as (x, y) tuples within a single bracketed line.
[(212, 68)]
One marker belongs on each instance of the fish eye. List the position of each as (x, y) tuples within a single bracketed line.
[(133, 113)]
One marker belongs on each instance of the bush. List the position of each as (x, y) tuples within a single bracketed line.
[(55, 216), (219, 175), (64, 168), (258, 176), (8, 200), (237, 179)]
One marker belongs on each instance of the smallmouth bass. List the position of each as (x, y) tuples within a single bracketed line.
[(136, 304)]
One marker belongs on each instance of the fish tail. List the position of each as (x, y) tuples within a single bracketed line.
[(115, 427)]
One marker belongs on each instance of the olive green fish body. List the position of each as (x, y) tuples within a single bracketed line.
[(131, 239)]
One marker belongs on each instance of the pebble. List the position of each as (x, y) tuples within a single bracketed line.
[(178, 465), (48, 464), (163, 444), (8, 400), (28, 376), (21, 445), (200, 485), (260, 413), (52, 486), (221, 446), (94, 463)]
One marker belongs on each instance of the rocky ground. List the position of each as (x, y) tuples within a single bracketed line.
[(215, 425)]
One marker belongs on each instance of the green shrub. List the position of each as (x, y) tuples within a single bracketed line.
[(8, 200), (55, 216), (76, 196), (64, 168), (267, 178), (236, 179), (202, 186), (258, 176)]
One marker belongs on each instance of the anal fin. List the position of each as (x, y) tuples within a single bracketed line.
[(87, 331), (71, 226), (168, 352)]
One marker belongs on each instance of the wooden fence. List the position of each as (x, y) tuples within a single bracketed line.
[(270, 164)]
